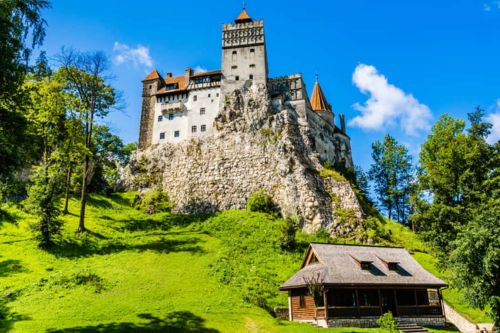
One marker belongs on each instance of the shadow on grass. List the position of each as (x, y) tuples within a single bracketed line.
[(159, 222), (98, 202), (174, 322), (74, 248), (8, 318), (11, 266), (8, 217)]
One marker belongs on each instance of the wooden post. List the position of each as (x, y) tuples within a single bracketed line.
[(325, 303), (395, 303), (416, 302), (380, 301), (357, 303)]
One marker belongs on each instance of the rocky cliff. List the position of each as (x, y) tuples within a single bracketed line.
[(255, 147)]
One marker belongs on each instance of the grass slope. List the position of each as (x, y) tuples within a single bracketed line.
[(140, 273)]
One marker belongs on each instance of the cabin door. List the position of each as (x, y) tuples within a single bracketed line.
[(388, 301)]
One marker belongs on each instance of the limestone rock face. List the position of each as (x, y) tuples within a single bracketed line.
[(254, 147)]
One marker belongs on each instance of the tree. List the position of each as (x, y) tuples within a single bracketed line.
[(392, 174), (455, 163), (475, 258), (47, 115), (86, 80), (21, 29)]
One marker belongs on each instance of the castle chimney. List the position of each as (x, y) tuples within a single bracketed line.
[(342, 122), (188, 74), (169, 74)]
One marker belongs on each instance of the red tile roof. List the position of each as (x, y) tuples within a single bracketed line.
[(318, 99), (153, 76)]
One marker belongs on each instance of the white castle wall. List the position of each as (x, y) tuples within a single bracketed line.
[(189, 116)]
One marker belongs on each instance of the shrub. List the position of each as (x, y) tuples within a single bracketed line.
[(260, 201), (288, 230), (387, 322), (155, 201)]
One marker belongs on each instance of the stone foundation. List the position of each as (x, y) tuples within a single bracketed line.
[(368, 322)]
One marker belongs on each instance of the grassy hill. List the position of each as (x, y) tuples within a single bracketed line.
[(153, 273)]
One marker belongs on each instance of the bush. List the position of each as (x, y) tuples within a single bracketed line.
[(387, 322), (288, 230), (155, 201), (260, 201)]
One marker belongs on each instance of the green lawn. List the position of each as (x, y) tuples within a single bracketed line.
[(147, 273)]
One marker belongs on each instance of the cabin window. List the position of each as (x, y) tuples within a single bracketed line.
[(392, 266), (237, 78), (170, 116), (302, 301), (405, 296), (202, 111), (203, 128), (177, 134), (368, 297), (422, 297), (366, 265), (162, 135), (195, 98), (160, 118), (251, 76), (342, 297)]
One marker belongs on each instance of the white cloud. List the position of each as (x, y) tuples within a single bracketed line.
[(491, 5), (138, 56), (494, 119), (387, 104), (199, 69)]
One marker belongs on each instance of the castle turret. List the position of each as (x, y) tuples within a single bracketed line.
[(150, 85), (244, 55), (320, 105)]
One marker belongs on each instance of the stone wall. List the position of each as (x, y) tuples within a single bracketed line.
[(367, 322), (253, 148)]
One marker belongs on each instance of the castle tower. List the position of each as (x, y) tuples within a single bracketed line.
[(320, 105), (150, 86), (244, 55)]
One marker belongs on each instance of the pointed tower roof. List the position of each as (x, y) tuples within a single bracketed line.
[(243, 17), (152, 76), (318, 99)]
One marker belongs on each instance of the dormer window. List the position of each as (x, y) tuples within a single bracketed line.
[(365, 265), (392, 266)]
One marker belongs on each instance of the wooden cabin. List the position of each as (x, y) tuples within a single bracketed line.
[(357, 284)]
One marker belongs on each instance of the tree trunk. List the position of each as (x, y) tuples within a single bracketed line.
[(83, 197), (66, 194)]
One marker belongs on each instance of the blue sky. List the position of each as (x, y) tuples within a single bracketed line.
[(390, 66)]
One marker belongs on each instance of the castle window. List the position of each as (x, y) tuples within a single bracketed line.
[(235, 52), (252, 65), (177, 134), (234, 67), (252, 50), (251, 76), (162, 135), (193, 129), (160, 118), (237, 78), (202, 111), (150, 87), (203, 128), (170, 116), (195, 98), (234, 55), (217, 95), (209, 95)]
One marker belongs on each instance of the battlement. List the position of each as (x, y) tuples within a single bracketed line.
[(243, 34)]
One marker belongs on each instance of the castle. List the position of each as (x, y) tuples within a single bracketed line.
[(183, 107), (211, 139)]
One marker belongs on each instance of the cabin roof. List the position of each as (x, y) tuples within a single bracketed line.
[(339, 265)]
